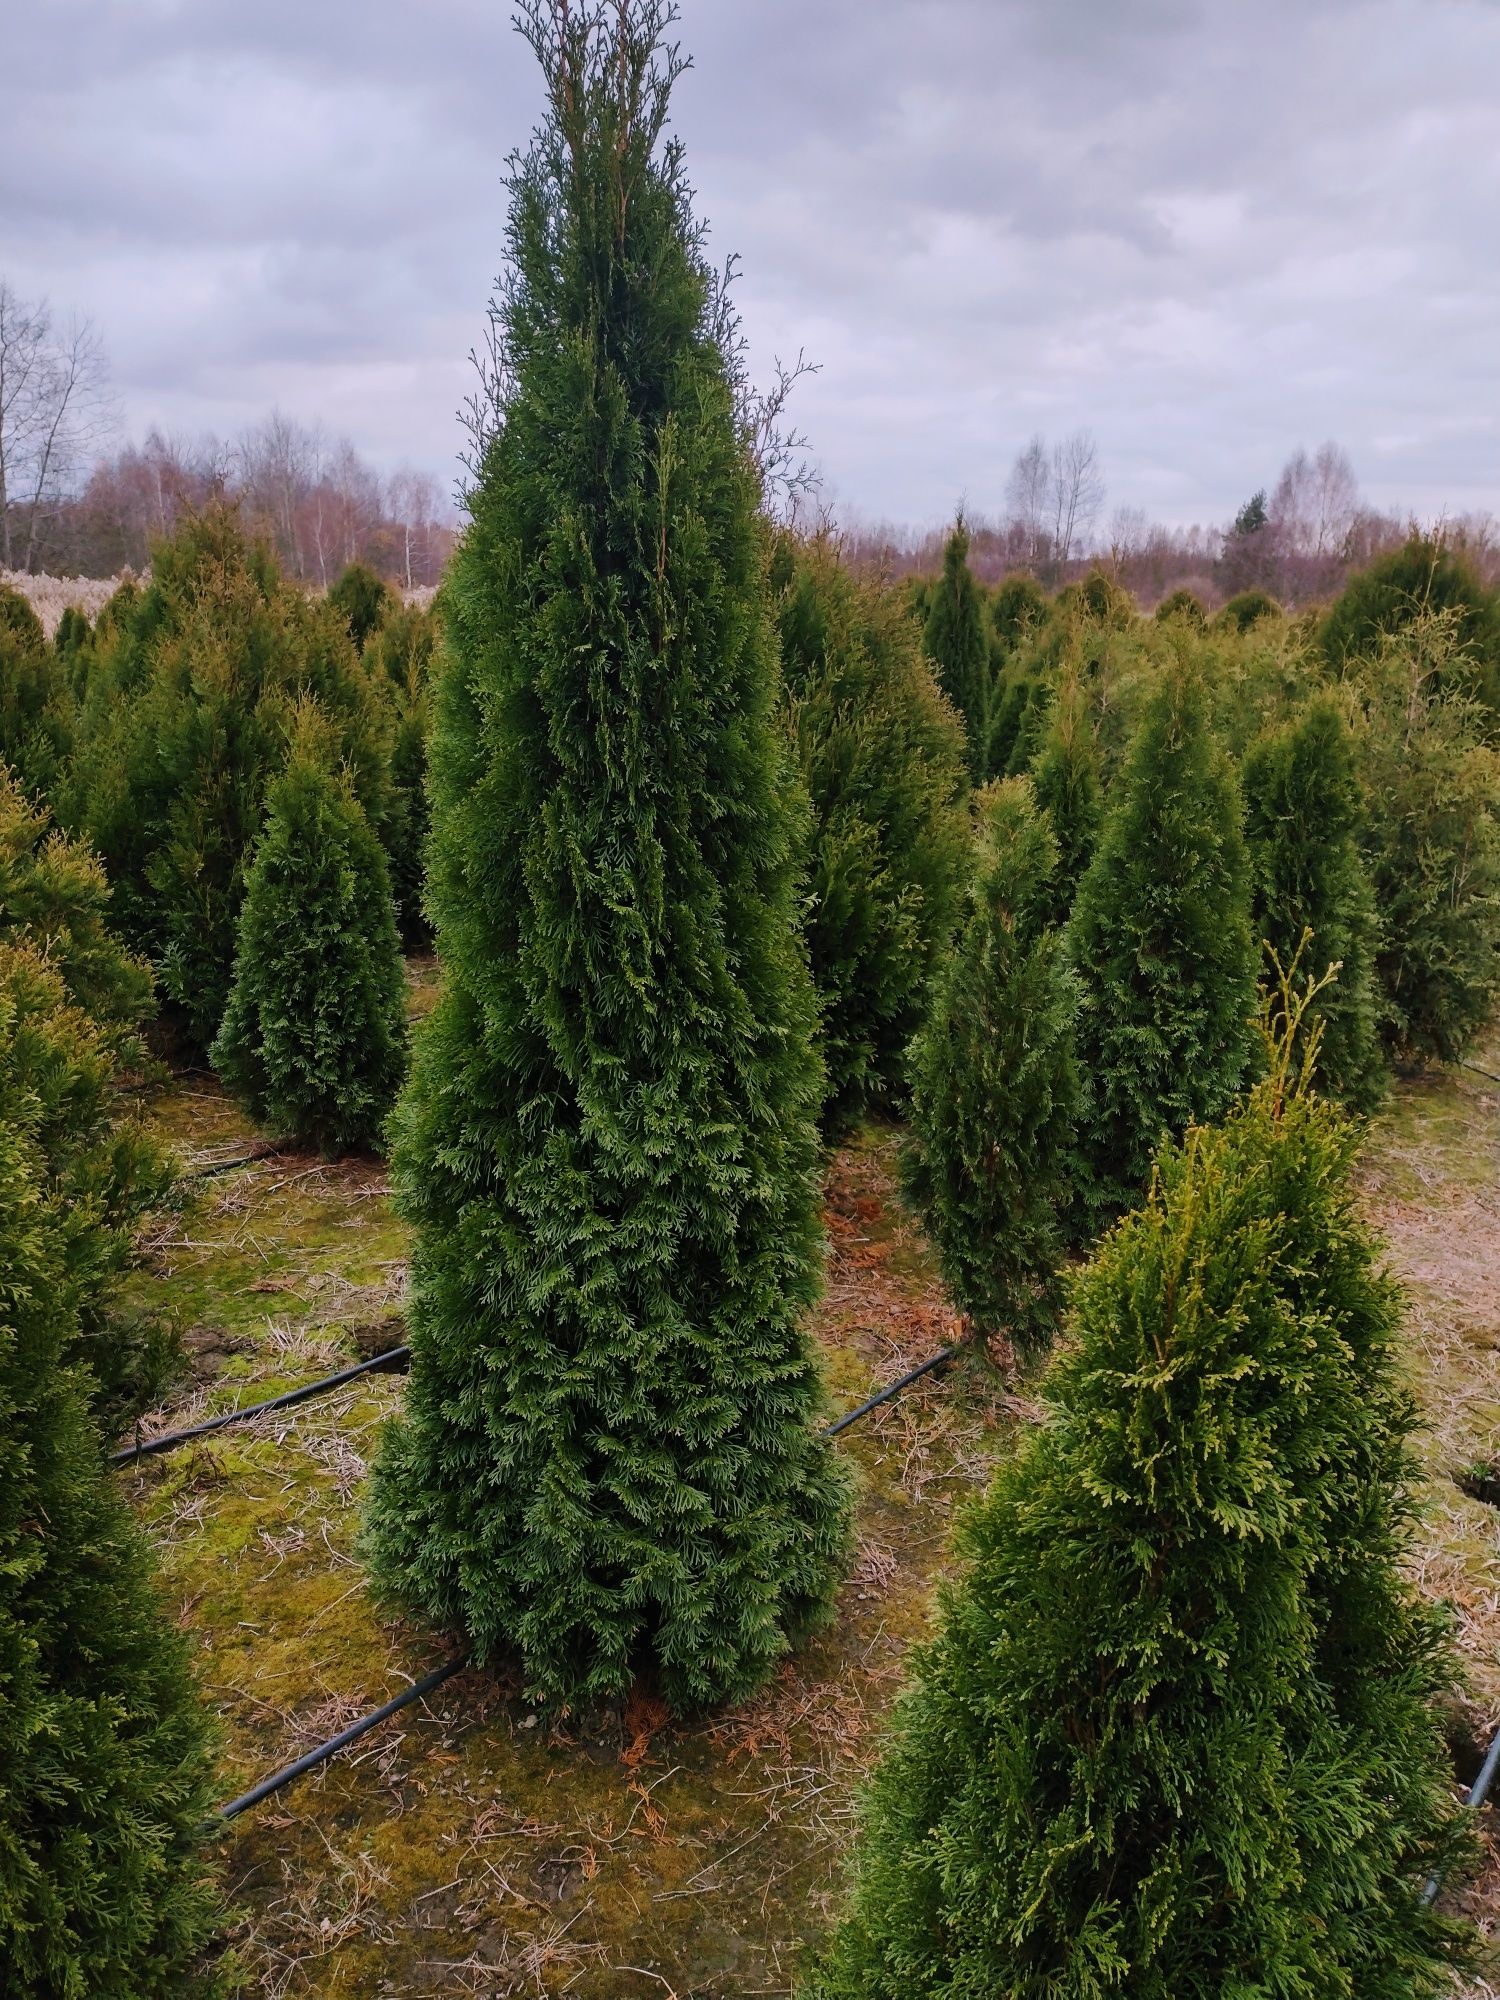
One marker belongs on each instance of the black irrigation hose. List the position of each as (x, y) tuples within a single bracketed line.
[(1478, 1793), (345, 1736), (436, 1678), (929, 1367), (393, 1359), (1487, 1073)]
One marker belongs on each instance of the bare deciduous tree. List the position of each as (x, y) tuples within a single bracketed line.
[(1316, 502), (1027, 502), (1077, 491), (55, 408)]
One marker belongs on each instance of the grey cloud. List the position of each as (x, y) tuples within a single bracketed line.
[(1209, 231)]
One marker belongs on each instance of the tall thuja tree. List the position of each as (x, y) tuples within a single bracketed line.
[(1176, 1738), (185, 723), (1068, 788), (994, 1089), (609, 1461), (882, 755), (1304, 816), (104, 1764), (313, 1041), (399, 656), (959, 647), (1160, 937), (36, 706)]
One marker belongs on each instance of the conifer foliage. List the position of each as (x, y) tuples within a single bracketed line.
[(313, 1041), (1160, 937), (1175, 1739), (882, 755), (104, 1771), (994, 1091), (958, 645), (1304, 818), (609, 1461)]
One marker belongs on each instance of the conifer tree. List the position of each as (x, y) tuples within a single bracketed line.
[(399, 654), (363, 600), (77, 1001), (1422, 580), (104, 1770), (36, 708), (958, 646), (1176, 1736), (185, 723), (1304, 815), (1017, 608), (1160, 937), (882, 755), (1184, 604), (609, 1462), (994, 1090), (1065, 775), (313, 1041), (1247, 608)]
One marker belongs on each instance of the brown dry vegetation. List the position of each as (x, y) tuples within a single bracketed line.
[(464, 1848)]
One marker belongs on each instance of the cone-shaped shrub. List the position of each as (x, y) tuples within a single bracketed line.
[(1160, 937), (313, 1042), (399, 654), (1184, 604), (1423, 579), (185, 723), (76, 1000), (1017, 608), (1247, 608), (1304, 814), (1066, 778), (362, 599), (959, 647), (36, 707), (1175, 1739), (103, 1765), (609, 1460), (882, 755), (1432, 828), (994, 1090)]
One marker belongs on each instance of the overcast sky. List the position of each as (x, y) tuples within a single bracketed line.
[(1210, 230)]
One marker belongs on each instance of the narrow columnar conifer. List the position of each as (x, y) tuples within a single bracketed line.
[(608, 1464), (313, 1041), (1304, 817), (1160, 937), (36, 705), (959, 647), (994, 1089), (1176, 1737), (1066, 778), (882, 755), (104, 1766), (362, 599)]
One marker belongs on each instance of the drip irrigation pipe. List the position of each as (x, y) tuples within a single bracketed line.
[(394, 1359), (929, 1367), (445, 1672), (1489, 1074), (345, 1736), (1478, 1793)]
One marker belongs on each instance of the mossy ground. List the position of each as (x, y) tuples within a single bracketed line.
[(464, 1848)]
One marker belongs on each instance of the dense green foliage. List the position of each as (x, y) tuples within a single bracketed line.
[(313, 1040), (1066, 776), (1018, 606), (1160, 937), (76, 1002), (1247, 608), (1304, 816), (882, 756), (185, 724), (608, 1462), (399, 657), (36, 708), (1182, 604), (1432, 840), (363, 600), (1411, 584), (994, 1091), (958, 646), (1175, 1739), (104, 1771)]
